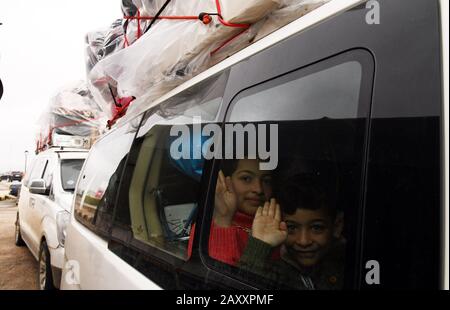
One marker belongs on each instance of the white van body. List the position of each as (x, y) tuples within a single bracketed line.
[(445, 55), (38, 214)]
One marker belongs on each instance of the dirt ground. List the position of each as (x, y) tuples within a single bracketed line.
[(18, 268)]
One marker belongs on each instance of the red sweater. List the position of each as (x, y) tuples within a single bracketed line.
[(226, 244)]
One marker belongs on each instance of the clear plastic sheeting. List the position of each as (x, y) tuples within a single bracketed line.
[(71, 118), (129, 8), (102, 43), (173, 51), (152, 70), (249, 11), (201, 100), (176, 7), (288, 12), (122, 32), (133, 28), (241, 41), (137, 13)]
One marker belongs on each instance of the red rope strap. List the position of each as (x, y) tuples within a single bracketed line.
[(225, 23), (120, 109), (227, 41), (161, 17), (204, 17)]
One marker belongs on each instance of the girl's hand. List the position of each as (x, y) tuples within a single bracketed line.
[(225, 203)]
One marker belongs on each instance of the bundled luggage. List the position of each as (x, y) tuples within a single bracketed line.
[(155, 47), (72, 119), (167, 42)]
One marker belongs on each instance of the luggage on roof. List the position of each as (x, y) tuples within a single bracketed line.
[(168, 42), (72, 119)]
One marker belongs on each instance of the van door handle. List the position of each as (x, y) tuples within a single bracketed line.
[(32, 202)]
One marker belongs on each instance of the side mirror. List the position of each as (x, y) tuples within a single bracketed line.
[(38, 187)]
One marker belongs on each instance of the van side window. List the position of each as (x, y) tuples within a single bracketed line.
[(158, 200), (97, 187), (294, 225), (70, 170), (159, 196), (162, 194), (48, 173), (37, 170)]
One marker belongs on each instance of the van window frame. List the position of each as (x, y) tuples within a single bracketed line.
[(95, 229), (366, 59), (151, 254), (38, 167)]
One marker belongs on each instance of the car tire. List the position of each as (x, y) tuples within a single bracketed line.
[(17, 235), (45, 277)]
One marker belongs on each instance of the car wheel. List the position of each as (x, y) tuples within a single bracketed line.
[(17, 235), (45, 277)]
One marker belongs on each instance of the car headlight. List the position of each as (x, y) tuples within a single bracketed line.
[(62, 220)]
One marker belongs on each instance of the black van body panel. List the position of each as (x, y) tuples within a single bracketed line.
[(405, 45), (403, 204)]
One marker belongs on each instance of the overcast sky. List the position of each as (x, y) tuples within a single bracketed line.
[(41, 50)]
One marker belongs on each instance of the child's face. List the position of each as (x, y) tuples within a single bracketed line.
[(310, 234), (252, 186)]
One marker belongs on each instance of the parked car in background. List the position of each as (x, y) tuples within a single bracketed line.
[(44, 206), (5, 177), (16, 176), (14, 188)]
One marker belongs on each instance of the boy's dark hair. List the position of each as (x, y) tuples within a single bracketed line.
[(311, 190)]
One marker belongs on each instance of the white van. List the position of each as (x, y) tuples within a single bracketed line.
[(44, 205), (358, 90)]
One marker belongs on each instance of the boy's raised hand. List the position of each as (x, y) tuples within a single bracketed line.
[(225, 203), (267, 225)]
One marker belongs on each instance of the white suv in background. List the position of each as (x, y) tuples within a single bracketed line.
[(44, 207)]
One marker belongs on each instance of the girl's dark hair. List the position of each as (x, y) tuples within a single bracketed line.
[(229, 166)]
